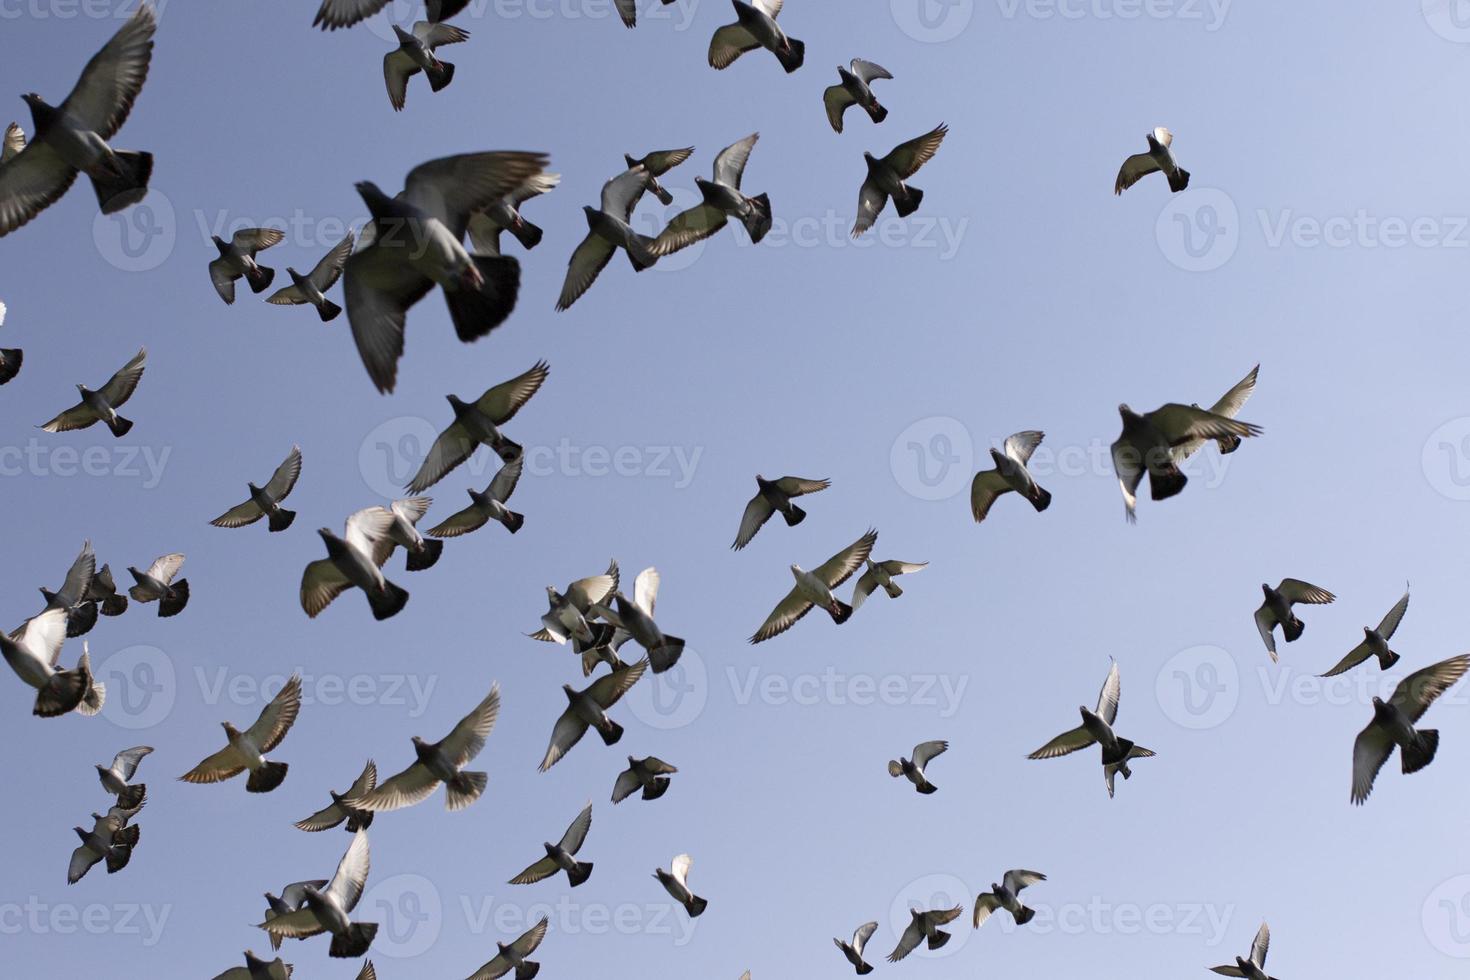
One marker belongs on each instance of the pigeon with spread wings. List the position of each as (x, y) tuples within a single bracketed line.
[(854, 90), (1010, 474), (1276, 611), (888, 178), (292, 897), (266, 501), (1097, 729), (568, 615), (312, 287), (562, 855), (159, 585), (236, 260), (1006, 895), (607, 231), (338, 811), (478, 423), (486, 506), (505, 215), (403, 532), (355, 559), (1375, 641), (1253, 968), (416, 53), (772, 496), (588, 709), (115, 777), (634, 619), (1393, 724), (1229, 407), (658, 163), (246, 750), (329, 910), (256, 968), (814, 588), (109, 840), (723, 200), (755, 27), (32, 651), (1148, 442), (438, 762), (883, 573), (1158, 158), (924, 927), (512, 956), (913, 769), (345, 13), (79, 593), (102, 405), (649, 774)]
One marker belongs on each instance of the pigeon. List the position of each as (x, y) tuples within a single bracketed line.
[(334, 14), (126, 813), (237, 261), (853, 90), (815, 588), (1393, 724), (12, 143), (103, 592), (10, 357), (607, 231), (675, 882), (312, 287), (1375, 641), (723, 200), (403, 517), (1097, 729), (329, 909), (158, 585), (566, 618), (559, 856), (603, 648), (246, 750), (635, 617), (1148, 442), (1010, 473), (115, 777), (414, 54), (755, 27), (658, 163), (355, 559), (266, 501), (1255, 967), (1158, 157), (256, 968), (772, 496), (505, 215), (32, 652), (414, 242), (439, 762), (102, 405), (292, 897), (854, 950), (338, 812), (108, 840), (1276, 609), (512, 956), (883, 573), (1006, 895), (649, 774), (589, 708), (75, 594), (1228, 407), (478, 423), (887, 178), (73, 137), (487, 506), (913, 769), (924, 926)]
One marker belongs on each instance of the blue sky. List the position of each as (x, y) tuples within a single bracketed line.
[(1324, 236)]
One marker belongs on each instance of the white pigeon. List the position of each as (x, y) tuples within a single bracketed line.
[(439, 762), (814, 588), (312, 287), (246, 750), (32, 651), (1097, 729), (676, 883), (1158, 158), (329, 910)]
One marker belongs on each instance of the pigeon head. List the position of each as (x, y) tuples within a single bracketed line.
[(219, 243), (253, 487), (550, 847), (1126, 412), (629, 161), (96, 816), (632, 762), (102, 769), (570, 693), (1266, 589), (458, 404), (230, 730), (378, 203), (403, 36), (503, 947), (796, 570), (83, 389), (80, 833), (41, 113)]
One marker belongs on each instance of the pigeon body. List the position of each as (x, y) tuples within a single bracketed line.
[(438, 762), (355, 559), (723, 200), (854, 950), (1148, 444), (607, 231), (246, 749), (755, 27), (882, 573), (888, 178), (108, 840), (634, 617), (513, 956), (158, 585), (658, 163), (266, 501), (854, 89), (115, 777), (1006, 895), (676, 883), (923, 927), (1159, 158), (505, 215), (650, 774), (588, 709), (913, 769), (1375, 641), (80, 593), (561, 856), (330, 909), (1253, 968), (1010, 474), (1276, 610), (487, 506), (292, 897), (814, 588), (338, 811), (32, 651), (1393, 725), (1097, 729), (403, 517), (771, 497), (568, 613), (102, 405), (312, 287), (237, 261), (416, 53), (478, 423)]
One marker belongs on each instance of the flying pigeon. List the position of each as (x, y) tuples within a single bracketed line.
[(1158, 157), (1097, 729), (32, 652), (755, 27), (338, 811), (1148, 443), (12, 143), (1229, 407), (635, 617), (1006, 895), (607, 231), (73, 137), (247, 749), (815, 588), (158, 585), (75, 595), (853, 90), (603, 648), (1393, 724), (675, 882), (589, 708), (913, 769), (345, 13), (505, 215), (854, 950), (108, 840), (658, 163), (256, 968), (883, 573), (329, 910), (115, 777), (403, 517), (102, 405), (292, 897), (649, 774), (237, 261), (478, 424), (924, 926), (1375, 642), (439, 762), (487, 506), (723, 200), (1276, 609), (1255, 967), (567, 615), (560, 856), (125, 814), (414, 54), (772, 496), (355, 559), (312, 287), (415, 241), (512, 956), (1010, 473), (10, 357), (887, 178), (266, 501)]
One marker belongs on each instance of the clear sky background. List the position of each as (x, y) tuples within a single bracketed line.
[(1325, 236)]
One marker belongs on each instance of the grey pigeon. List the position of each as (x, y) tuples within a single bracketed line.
[(158, 584), (438, 762), (512, 956), (102, 405), (772, 496), (32, 651), (292, 897), (913, 769), (334, 14), (1255, 967), (108, 840), (1097, 729), (72, 137), (658, 163), (676, 883), (101, 594), (329, 910), (588, 708), (266, 501), (415, 53), (1010, 474), (888, 178), (649, 774), (404, 516), (256, 968), (854, 90), (883, 573), (924, 927), (635, 617), (478, 423), (76, 593), (237, 261), (312, 287), (414, 242), (1393, 724), (115, 777), (355, 559), (814, 588), (1375, 641), (338, 812), (1158, 158), (755, 27), (1007, 895), (1148, 443), (10, 357), (246, 750), (1276, 609), (723, 200), (486, 506), (567, 616), (562, 855), (505, 215), (126, 814), (1229, 407), (607, 231), (854, 950)]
